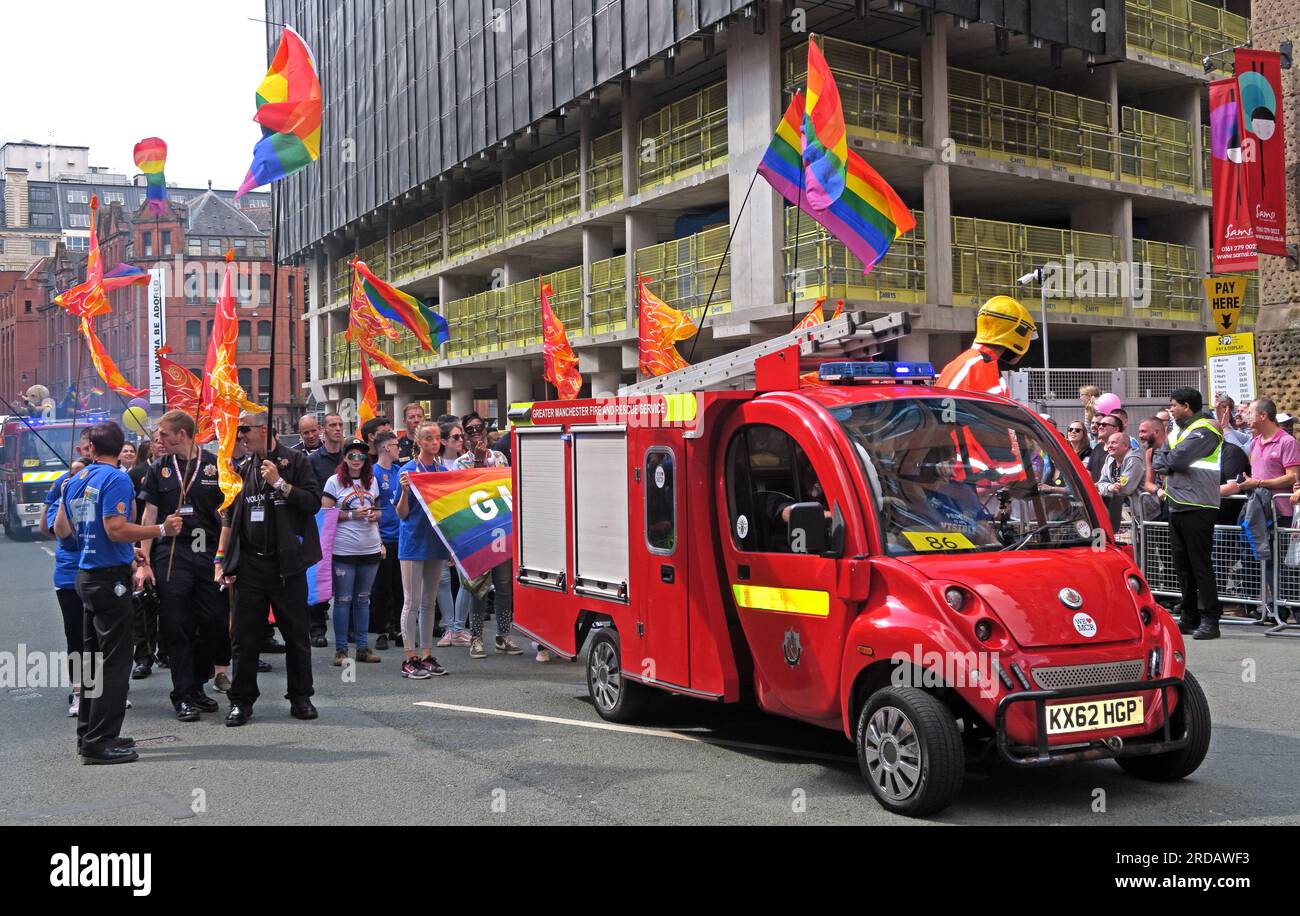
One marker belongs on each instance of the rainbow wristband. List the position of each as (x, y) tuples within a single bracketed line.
[(219, 557)]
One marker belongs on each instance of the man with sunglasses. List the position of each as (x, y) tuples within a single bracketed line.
[(479, 454), (1107, 425)]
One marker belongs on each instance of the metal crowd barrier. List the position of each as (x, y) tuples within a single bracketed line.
[(1240, 576)]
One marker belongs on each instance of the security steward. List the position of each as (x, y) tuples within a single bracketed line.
[(185, 482), (268, 541), (1190, 462), (96, 505), (1003, 330)]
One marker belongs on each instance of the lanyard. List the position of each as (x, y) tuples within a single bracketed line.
[(422, 467)]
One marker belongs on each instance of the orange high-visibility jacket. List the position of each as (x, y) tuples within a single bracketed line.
[(975, 369)]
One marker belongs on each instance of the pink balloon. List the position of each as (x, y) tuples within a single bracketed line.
[(1108, 402)]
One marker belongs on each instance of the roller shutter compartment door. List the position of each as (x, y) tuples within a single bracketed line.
[(600, 514)]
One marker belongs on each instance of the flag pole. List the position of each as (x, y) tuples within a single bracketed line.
[(794, 273), (275, 305), (721, 261), (76, 399)]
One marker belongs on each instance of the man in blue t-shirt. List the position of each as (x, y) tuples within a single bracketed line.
[(386, 595), (96, 505)]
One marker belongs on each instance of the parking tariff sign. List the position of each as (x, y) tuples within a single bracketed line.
[(1230, 359)]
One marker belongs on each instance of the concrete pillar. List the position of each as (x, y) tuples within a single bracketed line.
[(1187, 350), (1191, 113), (517, 268), (635, 104), (603, 367), (915, 347), (451, 287), (520, 374), (585, 133), (639, 231), (315, 298), (462, 400), (1109, 216), (1116, 349), (597, 245), (935, 183), (757, 261)]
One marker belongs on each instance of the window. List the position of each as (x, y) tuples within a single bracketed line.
[(767, 472), (259, 248), (40, 195), (40, 247), (245, 335), (114, 197), (214, 283), (213, 246), (193, 343), (264, 383), (2, 246), (660, 501), (78, 243), (289, 299), (264, 293), (264, 336), (47, 219), (246, 380), (240, 246), (194, 247), (75, 220), (27, 306), (209, 330), (78, 197), (167, 241), (146, 243)]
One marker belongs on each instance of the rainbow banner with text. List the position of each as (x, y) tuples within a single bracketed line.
[(473, 513)]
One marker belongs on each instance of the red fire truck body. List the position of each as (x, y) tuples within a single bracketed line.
[(654, 530), (33, 454)]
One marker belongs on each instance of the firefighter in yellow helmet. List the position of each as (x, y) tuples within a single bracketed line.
[(1003, 330)]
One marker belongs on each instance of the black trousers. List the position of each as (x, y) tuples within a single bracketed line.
[(193, 610), (319, 618), (106, 654), (1191, 535), (73, 612), (386, 596), (260, 586), (145, 627)]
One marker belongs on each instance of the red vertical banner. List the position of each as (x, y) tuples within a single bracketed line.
[(1233, 244), (1259, 78)]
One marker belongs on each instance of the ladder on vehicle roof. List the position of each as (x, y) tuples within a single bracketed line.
[(852, 336)]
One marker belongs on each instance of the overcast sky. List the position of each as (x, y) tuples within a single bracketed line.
[(107, 74)]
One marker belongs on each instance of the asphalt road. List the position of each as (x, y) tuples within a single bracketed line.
[(376, 756)]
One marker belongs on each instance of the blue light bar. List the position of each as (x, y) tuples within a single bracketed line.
[(889, 370)]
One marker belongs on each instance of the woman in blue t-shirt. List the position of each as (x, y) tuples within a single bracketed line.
[(421, 555), (67, 554)]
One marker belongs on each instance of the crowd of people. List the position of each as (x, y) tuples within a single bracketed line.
[(1184, 467), (150, 572)]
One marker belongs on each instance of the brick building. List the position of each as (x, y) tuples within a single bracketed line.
[(22, 293)]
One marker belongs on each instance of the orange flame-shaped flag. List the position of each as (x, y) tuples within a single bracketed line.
[(660, 327), (815, 315), (369, 407), (182, 391), (558, 359)]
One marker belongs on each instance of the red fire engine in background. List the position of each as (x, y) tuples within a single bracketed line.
[(835, 555), (33, 453)]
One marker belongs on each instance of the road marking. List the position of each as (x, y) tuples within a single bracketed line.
[(638, 730), (46, 549)]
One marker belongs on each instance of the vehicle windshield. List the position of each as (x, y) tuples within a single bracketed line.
[(35, 453), (950, 475)]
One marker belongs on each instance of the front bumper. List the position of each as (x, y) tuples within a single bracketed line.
[(1042, 755)]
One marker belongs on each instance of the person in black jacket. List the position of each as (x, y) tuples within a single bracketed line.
[(268, 541)]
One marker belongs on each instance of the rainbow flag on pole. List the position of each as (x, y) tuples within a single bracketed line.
[(289, 110), (809, 164), (428, 326), (150, 157), (473, 513)]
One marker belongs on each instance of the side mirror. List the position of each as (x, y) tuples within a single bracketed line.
[(807, 528)]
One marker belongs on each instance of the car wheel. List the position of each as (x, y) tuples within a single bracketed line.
[(616, 698), (909, 751), (1193, 712)]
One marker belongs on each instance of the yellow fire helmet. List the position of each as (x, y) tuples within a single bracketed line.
[(1004, 322)]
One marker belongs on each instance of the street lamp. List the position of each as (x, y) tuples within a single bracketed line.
[(1037, 275)]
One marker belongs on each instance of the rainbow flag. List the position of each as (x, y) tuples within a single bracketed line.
[(473, 513), (826, 144), (866, 215), (150, 157), (289, 110), (428, 326)]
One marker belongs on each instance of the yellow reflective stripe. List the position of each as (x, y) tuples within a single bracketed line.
[(40, 476), (680, 408), (782, 600)]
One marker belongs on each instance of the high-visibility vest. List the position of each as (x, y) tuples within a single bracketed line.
[(1206, 465), (975, 369)]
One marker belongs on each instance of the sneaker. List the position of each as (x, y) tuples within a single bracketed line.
[(476, 648), (365, 655), (221, 683), (340, 657), (74, 705), (414, 670), (543, 655), (447, 638), (461, 639), (431, 665), (505, 645)]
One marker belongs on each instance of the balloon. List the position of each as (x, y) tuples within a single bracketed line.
[(139, 402), (1108, 402), (136, 419)]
